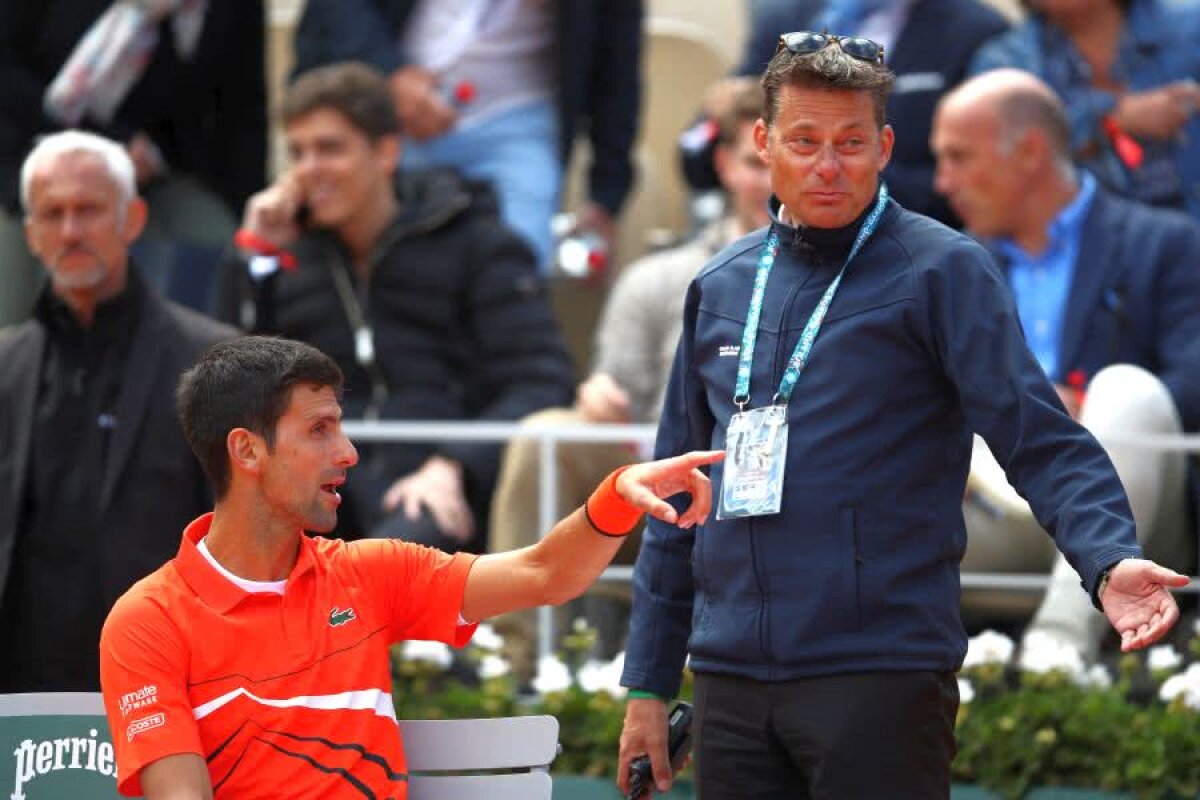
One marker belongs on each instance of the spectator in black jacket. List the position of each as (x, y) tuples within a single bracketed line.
[(431, 306), (499, 88), (95, 474), (181, 85)]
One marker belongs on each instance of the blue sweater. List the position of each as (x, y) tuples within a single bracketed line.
[(860, 569)]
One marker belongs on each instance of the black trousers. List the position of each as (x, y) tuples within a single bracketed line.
[(865, 736)]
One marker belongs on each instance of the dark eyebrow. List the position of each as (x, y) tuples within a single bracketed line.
[(807, 126), (321, 416)]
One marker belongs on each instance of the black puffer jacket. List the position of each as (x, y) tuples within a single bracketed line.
[(462, 326)]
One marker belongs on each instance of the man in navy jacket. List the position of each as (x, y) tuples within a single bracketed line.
[(1109, 298), (824, 637)]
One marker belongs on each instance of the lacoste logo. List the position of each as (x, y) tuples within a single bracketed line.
[(338, 617), (144, 724)]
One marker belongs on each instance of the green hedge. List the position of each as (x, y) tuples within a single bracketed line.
[(1026, 729)]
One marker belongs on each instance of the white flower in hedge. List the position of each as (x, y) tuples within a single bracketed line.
[(552, 675), (1098, 677), (1163, 657), (1041, 653), (1185, 685), (436, 653), (493, 666), (966, 692), (988, 647), (486, 638), (599, 676)]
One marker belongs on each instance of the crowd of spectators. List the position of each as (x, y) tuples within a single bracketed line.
[(409, 237)]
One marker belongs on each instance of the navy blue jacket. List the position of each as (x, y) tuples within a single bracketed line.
[(1135, 299), (598, 62), (930, 57), (860, 569)]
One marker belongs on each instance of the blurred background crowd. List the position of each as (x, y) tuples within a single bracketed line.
[(490, 210)]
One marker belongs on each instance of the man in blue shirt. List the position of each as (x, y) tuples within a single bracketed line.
[(1109, 298)]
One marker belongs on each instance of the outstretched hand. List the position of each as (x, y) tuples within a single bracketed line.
[(645, 486), (1137, 603)]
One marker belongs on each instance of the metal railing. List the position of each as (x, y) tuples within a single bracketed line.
[(549, 436)]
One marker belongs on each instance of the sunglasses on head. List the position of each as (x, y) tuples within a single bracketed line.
[(805, 42)]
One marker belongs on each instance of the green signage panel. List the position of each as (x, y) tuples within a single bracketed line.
[(56, 757)]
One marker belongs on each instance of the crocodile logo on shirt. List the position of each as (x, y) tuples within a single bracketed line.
[(339, 617)]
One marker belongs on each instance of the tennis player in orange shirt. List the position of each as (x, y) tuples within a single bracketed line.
[(255, 663)]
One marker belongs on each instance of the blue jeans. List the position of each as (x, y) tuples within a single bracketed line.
[(517, 151)]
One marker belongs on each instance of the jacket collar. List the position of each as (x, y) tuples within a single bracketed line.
[(113, 322), (826, 245)]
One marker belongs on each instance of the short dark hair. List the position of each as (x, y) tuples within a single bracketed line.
[(245, 383), (356, 91), (828, 68), (746, 105)]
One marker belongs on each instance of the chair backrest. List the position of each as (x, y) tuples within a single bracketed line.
[(726, 21), (56, 745), (680, 60), (436, 748)]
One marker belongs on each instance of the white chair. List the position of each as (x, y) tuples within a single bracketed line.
[(57, 745), (680, 60), (524, 744)]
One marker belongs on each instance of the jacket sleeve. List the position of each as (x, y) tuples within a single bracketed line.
[(346, 30), (521, 363), (1054, 463), (238, 141), (1177, 305), (21, 90), (663, 587), (614, 99)]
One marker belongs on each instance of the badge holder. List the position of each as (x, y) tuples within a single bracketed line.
[(755, 457)]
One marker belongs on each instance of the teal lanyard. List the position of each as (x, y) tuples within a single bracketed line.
[(796, 364)]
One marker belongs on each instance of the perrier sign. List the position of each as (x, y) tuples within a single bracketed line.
[(47, 753)]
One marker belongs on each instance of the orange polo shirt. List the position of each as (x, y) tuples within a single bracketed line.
[(284, 696)]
